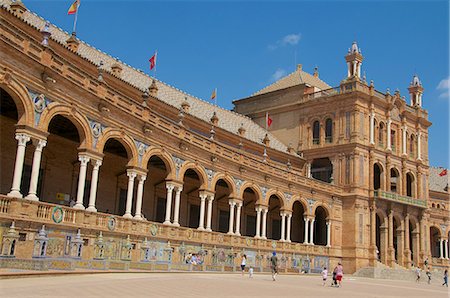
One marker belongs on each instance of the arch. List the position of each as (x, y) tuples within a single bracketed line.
[(301, 200), (410, 185), (164, 156), (256, 189), (124, 139), (80, 121), (434, 237), (382, 214), (394, 179), (188, 165), (316, 132), (21, 97), (279, 195), (323, 205), (329, 130), (378, 181), (228, 180), (321, 215)]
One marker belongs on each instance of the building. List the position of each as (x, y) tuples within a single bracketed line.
[(105, 167)]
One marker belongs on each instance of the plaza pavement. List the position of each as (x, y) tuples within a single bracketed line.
[(210, 285)]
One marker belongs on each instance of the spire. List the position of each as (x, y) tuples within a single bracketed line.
[(153, 89), (354, 60), (415, 92)]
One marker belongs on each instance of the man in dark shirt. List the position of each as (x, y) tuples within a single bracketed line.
[(274, 265)]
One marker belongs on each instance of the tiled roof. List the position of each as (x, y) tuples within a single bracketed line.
[(295, 78), (228, 120), (436, 182)]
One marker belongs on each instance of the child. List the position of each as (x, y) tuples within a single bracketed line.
[(324, 275), (429, 275), (250, 272), (417, 274)]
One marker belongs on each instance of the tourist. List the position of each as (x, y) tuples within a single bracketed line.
[(428, 273), (339, 274), (417, 274), (426, 262), (72, 202), (445, 278), (243, 263), (250, 272), (274, 265), (334, 282), (324, 275)]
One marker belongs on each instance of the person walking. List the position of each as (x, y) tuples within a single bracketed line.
[(324, 275), (339, 274), (274, 265), (445, 278), (428, 273), (417, 274), (243, 263)]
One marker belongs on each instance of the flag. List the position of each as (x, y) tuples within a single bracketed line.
[(152, 61), (214, 94), (268, 120), (443, 173), (74, 7)]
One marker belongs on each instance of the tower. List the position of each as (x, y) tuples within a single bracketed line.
[(354, 60), (415, 91)]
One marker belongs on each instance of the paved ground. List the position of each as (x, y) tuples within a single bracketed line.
[(209, 285)]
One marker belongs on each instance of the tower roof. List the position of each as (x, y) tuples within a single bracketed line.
[(415, 81), (354, 49), (298, 77)]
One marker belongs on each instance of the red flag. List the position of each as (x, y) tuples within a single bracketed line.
[(443, 173), (74, 7), (152, 61), (268, 120)]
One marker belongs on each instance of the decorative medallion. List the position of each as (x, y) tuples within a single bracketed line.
[(238, 183), (274, 244), (178, 163), (153, 229), (96, 129), (249, 241), (210, 173), (220, 238), (264, 192), (57, 214), (189, 234), (141, 148), (111, 223), (288, 196), (40, 103)]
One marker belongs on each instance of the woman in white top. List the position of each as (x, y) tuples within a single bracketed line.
[(243, 263)]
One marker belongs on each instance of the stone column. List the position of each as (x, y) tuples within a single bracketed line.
[(169, 188), (131, 175), (140, 192), (311, 231), (416, 246), (258, 222), (407, 253), (328, 233), (230, 223), (373, 226), (238, 219), (388, 133), (384, 235), (288, 233), (400, 246), (306, 239), (404, 140), (81, 181), (22, 140), (391, 250), (94, 184), (264, 222), (372, 127), (201, 222), (283, 225), (446, 249), (40, 144), (176, 210), (419, 148), (441, 248), (209, 215)]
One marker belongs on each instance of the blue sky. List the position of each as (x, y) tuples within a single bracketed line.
[(242, 46)]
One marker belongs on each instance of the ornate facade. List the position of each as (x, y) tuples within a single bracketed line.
[(105, 167)]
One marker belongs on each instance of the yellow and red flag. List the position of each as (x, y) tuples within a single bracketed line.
[(214, 94), (74, 7)]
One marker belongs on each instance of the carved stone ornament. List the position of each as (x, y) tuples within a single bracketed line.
[(40, 103)]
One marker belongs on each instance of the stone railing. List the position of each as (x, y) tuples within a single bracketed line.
[(399, 198), (62, 216)]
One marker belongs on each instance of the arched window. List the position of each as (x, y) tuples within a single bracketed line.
[(410, 189), (411, 146), (316, 132), (394, 180), (381, 134), (329, 130)]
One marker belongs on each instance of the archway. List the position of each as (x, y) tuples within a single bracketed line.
[(377, 176), (435, 236), (249, 212), (410, 189), (394, 179), (316, 132), (320, 226), (190, 201), (221, 208), (154, 200), (274, 218), (322, 169), (113, 179), (298, 222)]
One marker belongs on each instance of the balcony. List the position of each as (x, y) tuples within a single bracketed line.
[(394, 197)]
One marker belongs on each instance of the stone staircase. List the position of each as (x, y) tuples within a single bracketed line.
[(384, 272)]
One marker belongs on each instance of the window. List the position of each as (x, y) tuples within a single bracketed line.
[(328, 131), (316, 132), (411, 146), (393, 140), (381, 135)]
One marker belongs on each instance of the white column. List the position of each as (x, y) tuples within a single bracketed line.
[(81, 181), (169, 188), (22, 140), (328, 233), (404, 140), (306, 240), (258, 222), (94, 183), (230, 223), (354, 68), (40, 144), (201, 222), (131, 175), (288, 233), (209, 215), (283, 225), (348, 69), (311, 231), (441, 248), (359, 69), (388, 134), (176, 211), (419, 149), (264, 223), (372, 127), (446, 249), (140, 192), (238, 219)]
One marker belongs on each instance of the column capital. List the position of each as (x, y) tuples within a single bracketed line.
[(22, 139), (40, 144), (84, 159), (131, 174), (142, 178), (232, 202), (206, 193), (96, 163)]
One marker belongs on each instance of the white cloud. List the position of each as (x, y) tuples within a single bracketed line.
[(288, 40), (278, 74), (444, 88)]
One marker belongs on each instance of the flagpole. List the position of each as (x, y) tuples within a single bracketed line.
[(215, 98), (156, 61), (74, 32)]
